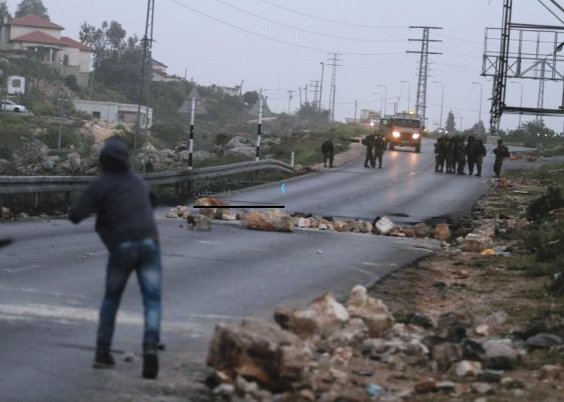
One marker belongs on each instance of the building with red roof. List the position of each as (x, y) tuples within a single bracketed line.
[(44, 38)]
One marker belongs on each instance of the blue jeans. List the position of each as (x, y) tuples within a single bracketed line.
[(143, 257)]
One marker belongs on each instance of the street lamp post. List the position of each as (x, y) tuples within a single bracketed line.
[(381, 102), (442, 101), (408, 92), (385, 97), (520, 98), (321, 84), (481, 94)]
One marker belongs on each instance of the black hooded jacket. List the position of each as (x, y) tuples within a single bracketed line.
[(120, 198)]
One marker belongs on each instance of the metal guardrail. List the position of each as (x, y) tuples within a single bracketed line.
[(43, 184)]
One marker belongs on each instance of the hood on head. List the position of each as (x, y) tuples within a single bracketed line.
[(114, 157)]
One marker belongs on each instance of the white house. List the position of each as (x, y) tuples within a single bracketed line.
[(44, 38), (116, 113)]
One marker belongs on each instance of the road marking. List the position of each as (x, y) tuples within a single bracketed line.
[(66, 314), (371, 264)]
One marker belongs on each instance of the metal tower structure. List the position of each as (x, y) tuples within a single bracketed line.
[(333, 89), (524, 51), (421, 100), (146, 73)]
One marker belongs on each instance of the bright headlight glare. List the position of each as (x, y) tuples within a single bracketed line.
[(396, 134), (415, 136)]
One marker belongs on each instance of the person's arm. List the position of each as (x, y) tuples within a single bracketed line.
[(152, 199), (86, 205)]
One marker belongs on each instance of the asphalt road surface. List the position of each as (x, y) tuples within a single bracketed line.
[(407, 189), (51, 277)]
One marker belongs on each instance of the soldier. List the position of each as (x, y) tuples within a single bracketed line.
[(328, 150), (450, 147), (369, 141), (440, 154), (379, 149), (501, 152), (479, 151), (469, 150), (460, 155)]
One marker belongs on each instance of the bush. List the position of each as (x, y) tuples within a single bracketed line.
[(540, 208), (44, 109)]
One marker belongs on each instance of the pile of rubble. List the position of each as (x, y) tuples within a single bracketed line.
[(279, 221), (356, 352)]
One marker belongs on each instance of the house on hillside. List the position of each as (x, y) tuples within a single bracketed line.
[(116, 113), (160, 73), (44, 38)]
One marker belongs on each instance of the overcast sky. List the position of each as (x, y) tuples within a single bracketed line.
[(278, 45)]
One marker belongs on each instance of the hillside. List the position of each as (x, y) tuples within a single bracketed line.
[(225, 129)]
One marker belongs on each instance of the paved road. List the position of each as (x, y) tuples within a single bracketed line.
[(406, 189), (51, 277)]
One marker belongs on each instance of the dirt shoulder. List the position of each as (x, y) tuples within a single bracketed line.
[(498, 297)]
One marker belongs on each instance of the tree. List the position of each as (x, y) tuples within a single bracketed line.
[(5, 15), (479, 129), (31, 7), (450, 126), (115, 34), (251, 97)]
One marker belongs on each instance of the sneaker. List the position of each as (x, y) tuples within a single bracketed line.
[(150, 361), (103, 359)]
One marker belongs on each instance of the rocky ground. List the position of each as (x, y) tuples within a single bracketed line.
[(468, 324)]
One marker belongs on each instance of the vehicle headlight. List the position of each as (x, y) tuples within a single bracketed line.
[(416, 136), (396, 134)]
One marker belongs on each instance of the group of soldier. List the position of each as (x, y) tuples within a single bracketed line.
[(452, 154), (455, 153), (375, 148)]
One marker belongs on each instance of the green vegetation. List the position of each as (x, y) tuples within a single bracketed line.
[(543, 241), (307, 144)]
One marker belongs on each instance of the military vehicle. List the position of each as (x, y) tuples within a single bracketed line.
[(403, 130)]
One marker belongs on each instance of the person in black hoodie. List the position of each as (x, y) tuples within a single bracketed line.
[(125, 223)]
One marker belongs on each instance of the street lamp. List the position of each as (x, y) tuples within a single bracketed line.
[(442, 101), (381, 102), (520, 98), (408, 92), (385, 97), (321, 84), (481, 93)]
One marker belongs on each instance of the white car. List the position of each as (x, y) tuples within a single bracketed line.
[(10, 106)]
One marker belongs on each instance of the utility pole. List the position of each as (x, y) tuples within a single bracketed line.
[(385, 97), (540, 100), (461, 118), (481, 94), (520, 100), (305, 93), (146, 73), (355, 109), (300, 89), (259, 128), (421, 100), (321, 86), (333, 89), (290, 97), (316, 99), (442, 102)]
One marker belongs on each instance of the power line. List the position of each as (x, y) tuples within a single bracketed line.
[(274, 39), (333, 88), (330, 20), (304, 30), (421, 102)]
